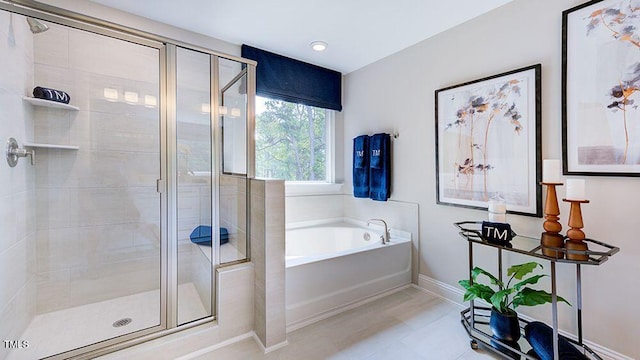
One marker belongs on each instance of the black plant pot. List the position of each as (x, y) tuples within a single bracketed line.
[(504, 327)]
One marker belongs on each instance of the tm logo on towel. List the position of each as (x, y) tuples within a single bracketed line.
[(500, 233), (375, 152), (360, 153), (56, 95)]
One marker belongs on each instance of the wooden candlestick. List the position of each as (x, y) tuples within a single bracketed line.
[(575, 234), (551, 237), (551, 209)]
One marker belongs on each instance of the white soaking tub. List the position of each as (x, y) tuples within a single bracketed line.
[(333, 265)]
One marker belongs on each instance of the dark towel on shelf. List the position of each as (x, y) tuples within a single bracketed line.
[(540, 336), (380, 167), (201, 235), (51, 94), (224, 236), (361, 166)]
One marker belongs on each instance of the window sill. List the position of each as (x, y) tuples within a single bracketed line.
[(299, 188)]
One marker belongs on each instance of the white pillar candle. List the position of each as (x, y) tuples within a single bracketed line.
[(497, 206), (497, 209), (495, 217), (551, 171), (575, 189)]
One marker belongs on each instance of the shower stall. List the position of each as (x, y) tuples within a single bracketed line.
[(115, 208)]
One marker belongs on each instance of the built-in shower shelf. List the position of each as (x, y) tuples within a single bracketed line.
[(49, 104), (51, 146)]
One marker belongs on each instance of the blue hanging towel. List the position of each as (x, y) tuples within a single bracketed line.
[(361, 166), (380, 167)]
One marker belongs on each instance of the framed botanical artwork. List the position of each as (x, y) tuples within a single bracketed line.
[(601, 88), (488, 142)]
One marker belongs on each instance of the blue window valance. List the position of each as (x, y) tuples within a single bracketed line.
[(283, 78)]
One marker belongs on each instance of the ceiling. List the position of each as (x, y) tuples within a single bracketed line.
[(359, 32)]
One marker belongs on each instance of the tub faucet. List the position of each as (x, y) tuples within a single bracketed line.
[(385, 235)]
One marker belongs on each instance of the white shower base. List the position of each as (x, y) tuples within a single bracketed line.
[(52, 333)]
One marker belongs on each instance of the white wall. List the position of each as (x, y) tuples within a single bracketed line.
[(17, 184), (398, 93)]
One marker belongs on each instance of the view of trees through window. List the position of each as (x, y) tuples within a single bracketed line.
[(290, 141)]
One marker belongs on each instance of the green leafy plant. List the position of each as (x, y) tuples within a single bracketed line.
[(508, 297)]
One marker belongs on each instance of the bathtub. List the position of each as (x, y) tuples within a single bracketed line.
[(333, 265)]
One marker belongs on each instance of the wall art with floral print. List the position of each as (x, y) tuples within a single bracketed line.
[(488, 142), (601, 88)]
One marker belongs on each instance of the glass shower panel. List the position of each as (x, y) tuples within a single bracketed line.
[(233, 111), (92, 270), (194, 199), (233, 179)]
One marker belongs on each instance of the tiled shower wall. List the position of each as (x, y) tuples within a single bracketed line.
[(98, 229), (17, 188), (233, 212)]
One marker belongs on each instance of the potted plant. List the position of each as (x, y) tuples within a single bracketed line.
[(508, 296)]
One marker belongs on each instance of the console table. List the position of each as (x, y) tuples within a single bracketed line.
[(475, 319)]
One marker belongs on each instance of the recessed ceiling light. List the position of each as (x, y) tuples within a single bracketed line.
[(318, 45)]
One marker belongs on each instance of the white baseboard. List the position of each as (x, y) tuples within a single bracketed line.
[(443, 290), (455, 295), (249, 335), (217, 346), (271, 348)]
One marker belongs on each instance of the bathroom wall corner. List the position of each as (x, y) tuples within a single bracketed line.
[(268, 256)]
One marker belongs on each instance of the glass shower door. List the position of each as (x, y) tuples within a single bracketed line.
[(234, 182), (194, 184), (93, 268)]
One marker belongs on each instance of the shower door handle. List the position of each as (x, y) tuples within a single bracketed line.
[(161, 185), (14, 153)]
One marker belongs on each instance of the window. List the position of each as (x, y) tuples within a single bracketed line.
[(293, 141)]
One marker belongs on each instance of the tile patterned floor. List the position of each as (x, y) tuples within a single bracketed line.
[(409, 324)]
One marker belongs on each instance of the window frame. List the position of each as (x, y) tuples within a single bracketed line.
[(318, 187)]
